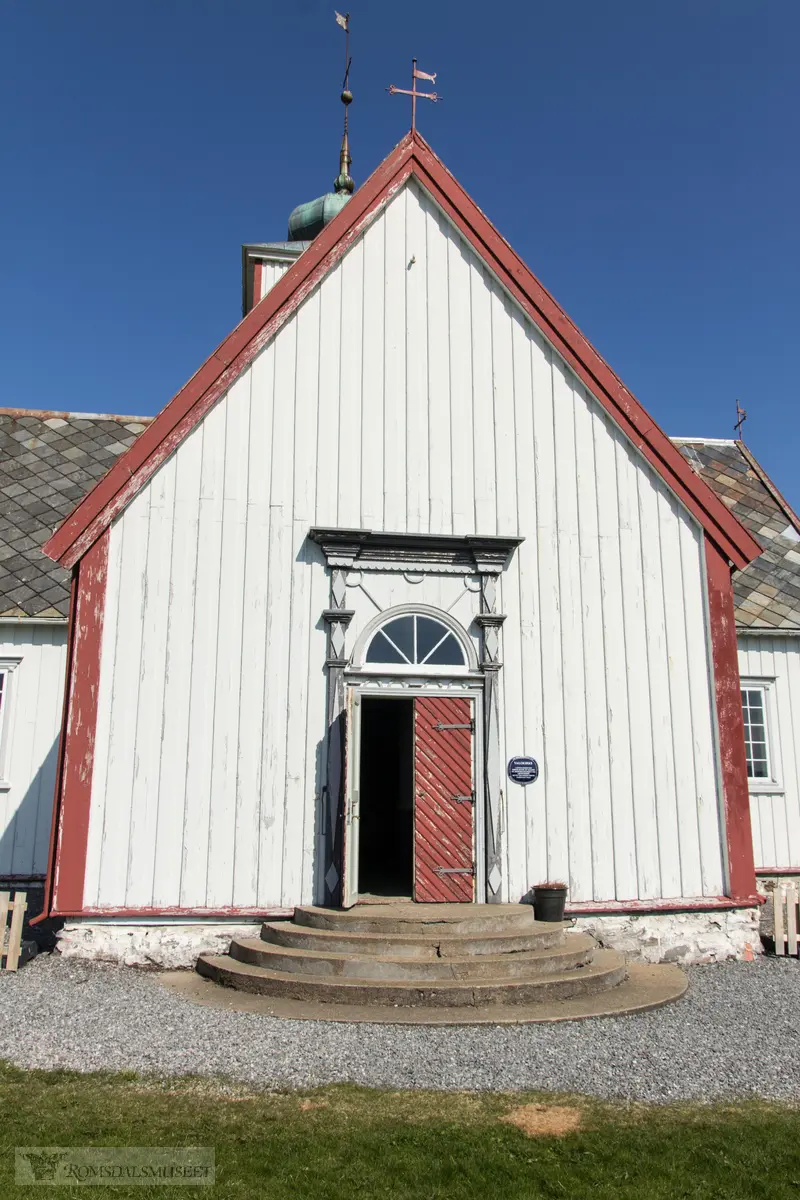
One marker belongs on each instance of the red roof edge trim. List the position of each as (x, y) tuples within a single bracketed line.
[(720, 524), (132, 470), (414, 156)]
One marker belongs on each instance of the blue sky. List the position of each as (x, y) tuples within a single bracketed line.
[(642, 159)]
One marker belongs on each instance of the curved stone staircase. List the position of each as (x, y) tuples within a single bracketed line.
[(435, 963)]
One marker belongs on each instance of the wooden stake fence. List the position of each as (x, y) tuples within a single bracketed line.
[(11, 939), (785, 900)]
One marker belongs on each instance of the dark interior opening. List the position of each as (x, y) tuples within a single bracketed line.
[(386, 836)]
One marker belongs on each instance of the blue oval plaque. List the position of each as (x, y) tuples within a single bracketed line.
[(523, 770)]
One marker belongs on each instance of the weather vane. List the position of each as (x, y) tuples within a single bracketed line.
[(414, 94), (344, 181), (344, 21), (742, 415)]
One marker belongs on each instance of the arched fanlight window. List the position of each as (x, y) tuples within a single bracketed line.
[(415, 640)]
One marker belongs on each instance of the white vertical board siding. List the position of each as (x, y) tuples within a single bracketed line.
[(613, 666), (271, 271), (775, 815), (32, 718), (407, 393)]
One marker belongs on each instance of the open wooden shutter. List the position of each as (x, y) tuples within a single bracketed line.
[(444, 857)]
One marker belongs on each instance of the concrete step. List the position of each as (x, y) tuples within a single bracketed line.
[(417, 920), (646, 987), (606, 970), (540, 935), (575, 951)]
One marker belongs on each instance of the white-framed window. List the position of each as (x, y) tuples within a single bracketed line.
[(7, 668), (415, 640), (756, 711)]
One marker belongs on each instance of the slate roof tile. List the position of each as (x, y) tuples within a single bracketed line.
[(48, 461), (767, 592)]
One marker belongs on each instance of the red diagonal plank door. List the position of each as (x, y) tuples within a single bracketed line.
[(444, 860)]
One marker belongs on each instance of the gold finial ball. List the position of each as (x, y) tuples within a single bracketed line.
[(347, 97)]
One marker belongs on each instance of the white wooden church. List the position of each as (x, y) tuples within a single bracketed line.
[(404, 498)]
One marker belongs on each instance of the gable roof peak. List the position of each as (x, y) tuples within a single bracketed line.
[(412, 156)]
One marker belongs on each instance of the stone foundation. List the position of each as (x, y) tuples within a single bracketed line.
[(164, 946), (694, 937), (689, 937)]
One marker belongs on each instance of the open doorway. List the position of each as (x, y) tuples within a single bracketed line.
[(386, 793)]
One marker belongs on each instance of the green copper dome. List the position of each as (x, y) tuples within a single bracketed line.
[(307, 220)]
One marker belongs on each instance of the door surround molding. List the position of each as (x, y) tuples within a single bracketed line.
[(350, 552)]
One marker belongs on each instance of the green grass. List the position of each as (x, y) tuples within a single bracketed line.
[(348, 1143)]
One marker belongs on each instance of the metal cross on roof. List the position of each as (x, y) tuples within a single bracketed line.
[(414, 94), (742, 415)]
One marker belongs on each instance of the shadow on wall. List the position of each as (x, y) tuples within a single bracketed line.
[(25, 832), (45, 934)]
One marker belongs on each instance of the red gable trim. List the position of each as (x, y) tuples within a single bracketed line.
[(74, 783), (411, 156), (188, 407), (602, 382)]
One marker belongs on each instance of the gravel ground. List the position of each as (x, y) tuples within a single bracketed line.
[(734, 1034)]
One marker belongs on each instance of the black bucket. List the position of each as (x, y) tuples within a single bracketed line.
[(548, 903)]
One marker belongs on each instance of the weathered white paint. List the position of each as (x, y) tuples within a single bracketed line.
[(407, 393), (29, 744), (775, 809), (698, 937)]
